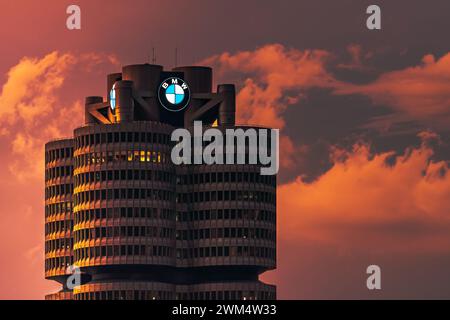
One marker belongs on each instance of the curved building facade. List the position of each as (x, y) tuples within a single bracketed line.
[(124, 208), (141, 227), (59, 214), (226, 217)]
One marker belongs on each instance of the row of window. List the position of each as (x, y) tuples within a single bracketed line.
[(226, 195), (227, 214), (125, 295), (219, 233), (110, 194), (153, 194), (58, 226), (155, 213), (56, 172), (161, 232), (136, 212), (235, 251), (213, 177), (198, 178), (164, 176), (123, 231), (58, 244), (123, 250), (121, 156), (58, 262), (118, 175), (56, 154), (59, 190), (159, 251), (117, 137), (166, 295), (57, 208), (123, 194), (164, 251), (226, 295), (94, 158)]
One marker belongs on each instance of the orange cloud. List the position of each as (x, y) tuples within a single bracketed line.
[(36, 105), (32, 111), (421, 92), (19, 100), (355, 51), (386, 209), (277, 77), (273, 71), (379, 202), (357, 58)]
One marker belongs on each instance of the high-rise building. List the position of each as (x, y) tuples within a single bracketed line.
[(140, 227)]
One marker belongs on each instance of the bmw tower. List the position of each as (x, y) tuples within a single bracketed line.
[(130, 224)]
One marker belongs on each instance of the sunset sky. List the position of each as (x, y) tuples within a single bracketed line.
[(364, 118)]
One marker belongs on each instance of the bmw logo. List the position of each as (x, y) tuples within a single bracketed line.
[(174, 94), (112, 98)]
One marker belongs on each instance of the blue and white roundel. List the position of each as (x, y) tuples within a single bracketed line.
[(174, 94)]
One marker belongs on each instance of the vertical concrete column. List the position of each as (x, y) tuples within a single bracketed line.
[(88, 118), (227, 108), (124, 101)]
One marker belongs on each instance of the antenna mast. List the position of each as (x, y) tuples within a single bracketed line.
[(176, 57), (153, 56)]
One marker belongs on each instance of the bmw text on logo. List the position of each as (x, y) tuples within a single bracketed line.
[(174, 94)]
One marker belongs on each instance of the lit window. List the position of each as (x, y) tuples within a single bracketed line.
[(130, 156)]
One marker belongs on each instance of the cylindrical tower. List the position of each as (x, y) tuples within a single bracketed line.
[(124, 104), (226, 227), (88, 118), (146, 80), (198, 77), (146, 77), (140, 227), (58, 214), (124, 210), (227, 109)]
